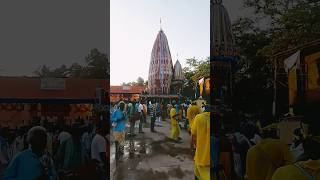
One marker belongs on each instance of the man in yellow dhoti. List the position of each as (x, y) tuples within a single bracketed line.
[(201, 131), (175, 129)]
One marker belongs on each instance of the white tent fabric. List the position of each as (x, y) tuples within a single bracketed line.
[(293, 60)]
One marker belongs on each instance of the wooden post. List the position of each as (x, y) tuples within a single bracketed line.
[(230, 78), (275, 89)]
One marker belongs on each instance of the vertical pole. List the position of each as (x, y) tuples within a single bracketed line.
[(275, 89), (230, 78), (195, 91)]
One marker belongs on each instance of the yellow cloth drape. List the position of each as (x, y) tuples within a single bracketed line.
[(201, 89), (292, 83), (312, 69), (175, 130), (207, 85)]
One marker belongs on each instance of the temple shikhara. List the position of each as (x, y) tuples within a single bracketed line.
[(164, 78), (223, 51)]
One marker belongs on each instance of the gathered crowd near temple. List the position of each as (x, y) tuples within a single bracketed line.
[(249, 111)]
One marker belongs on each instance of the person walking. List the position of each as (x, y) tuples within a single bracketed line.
[(152, 114), (158, 113), (140, 111), (175, 130), (120, 119), (201, 131), (132, 115)]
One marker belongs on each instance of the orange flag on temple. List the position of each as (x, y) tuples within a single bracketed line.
[(201, 81), (207, 85)]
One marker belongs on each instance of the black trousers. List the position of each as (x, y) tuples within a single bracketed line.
[(153, 119)]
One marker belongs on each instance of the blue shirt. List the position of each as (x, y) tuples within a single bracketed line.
[(26, 166), (120, 119), (158, 108), (214, 151)]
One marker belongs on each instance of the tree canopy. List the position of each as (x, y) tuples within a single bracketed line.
[(96, 66), (277, 25), (140, 82), (194, 71)]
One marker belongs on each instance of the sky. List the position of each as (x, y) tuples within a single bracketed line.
[(135, 25), (37, 32)]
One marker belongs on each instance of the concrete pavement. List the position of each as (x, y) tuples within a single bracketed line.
[(153, 156)]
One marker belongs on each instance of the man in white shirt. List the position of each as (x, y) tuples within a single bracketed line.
[(99, 147), (140, 111)]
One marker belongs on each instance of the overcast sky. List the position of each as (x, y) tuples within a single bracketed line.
[(37, 32), (135, 25)]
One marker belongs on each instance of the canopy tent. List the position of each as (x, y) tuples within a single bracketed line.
[(296, 75)]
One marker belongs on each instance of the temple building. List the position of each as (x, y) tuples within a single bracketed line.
[(178, 78), (164, 78), (222, 50)]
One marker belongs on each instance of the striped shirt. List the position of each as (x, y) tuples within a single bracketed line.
[(152, 112)]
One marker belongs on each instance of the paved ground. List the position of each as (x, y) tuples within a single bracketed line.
[(153, 156)]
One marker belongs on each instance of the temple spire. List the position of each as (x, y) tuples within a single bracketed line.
[(160, 24)]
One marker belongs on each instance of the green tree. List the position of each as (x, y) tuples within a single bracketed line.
[(76, 70), (43, 71), (60, 72), (286, 24), (97, 65), (195, 70)]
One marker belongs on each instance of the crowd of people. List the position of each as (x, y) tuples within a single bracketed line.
[(60, 151), (194, 118), (245, 150)]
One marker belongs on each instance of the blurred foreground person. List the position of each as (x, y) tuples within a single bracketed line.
[(32, 163), (201, 131), (308, 164), (266, 157), (71, 154)]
